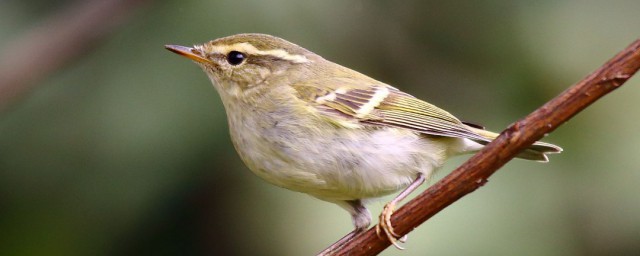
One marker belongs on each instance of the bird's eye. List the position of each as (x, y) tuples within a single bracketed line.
[(235, 58)]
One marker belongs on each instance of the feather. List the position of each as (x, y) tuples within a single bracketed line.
[(351, 103), (383, 105)]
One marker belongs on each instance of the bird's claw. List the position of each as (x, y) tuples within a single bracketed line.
[(384, 225)]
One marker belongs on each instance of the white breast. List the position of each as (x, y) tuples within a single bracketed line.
[(330, 162)]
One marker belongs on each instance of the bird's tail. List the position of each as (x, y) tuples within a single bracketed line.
[(537, 151)]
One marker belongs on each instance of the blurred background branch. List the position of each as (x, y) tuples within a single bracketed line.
[(57, 41)]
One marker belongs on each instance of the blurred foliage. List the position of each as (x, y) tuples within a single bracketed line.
[(126, 152)]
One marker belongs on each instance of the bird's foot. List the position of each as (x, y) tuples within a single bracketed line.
[(384, 225)]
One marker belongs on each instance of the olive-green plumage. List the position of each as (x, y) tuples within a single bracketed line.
[(307, 124)]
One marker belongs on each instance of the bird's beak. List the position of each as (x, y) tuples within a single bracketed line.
[(188, 52)]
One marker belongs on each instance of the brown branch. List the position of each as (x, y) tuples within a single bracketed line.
[(57, 41), (476, 171)]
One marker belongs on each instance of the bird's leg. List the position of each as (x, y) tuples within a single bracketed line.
[(385, 217), (361, 219)]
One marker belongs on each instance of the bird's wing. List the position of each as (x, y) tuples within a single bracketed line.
[(350, 102)]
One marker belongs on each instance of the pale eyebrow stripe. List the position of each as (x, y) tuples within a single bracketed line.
[(252, 50)]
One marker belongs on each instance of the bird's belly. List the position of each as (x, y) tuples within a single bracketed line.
[(339, 163)]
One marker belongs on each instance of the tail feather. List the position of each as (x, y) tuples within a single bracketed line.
[(537, 151)]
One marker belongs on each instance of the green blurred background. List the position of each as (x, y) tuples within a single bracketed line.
[(125, 150)]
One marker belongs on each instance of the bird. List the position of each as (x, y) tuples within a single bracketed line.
[(307, 124)]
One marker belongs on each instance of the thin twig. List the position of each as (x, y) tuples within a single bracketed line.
[(475, 172)]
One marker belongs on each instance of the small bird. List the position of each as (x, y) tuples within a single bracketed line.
[(307, 124)]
